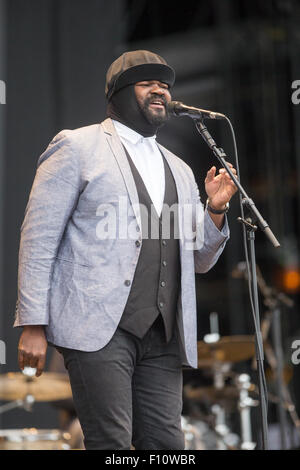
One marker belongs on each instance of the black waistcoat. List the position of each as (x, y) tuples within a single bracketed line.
[(156, 282)]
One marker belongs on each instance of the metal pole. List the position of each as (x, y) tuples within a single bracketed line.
[(259, 347), (2, 140), (2, 153), (276, 327)]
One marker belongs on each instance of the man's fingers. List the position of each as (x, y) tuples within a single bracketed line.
[(223, 171), (40, 365), (33, 360), (28, 359), (21, 359), (219, 177), (36, 361), (210, 174)]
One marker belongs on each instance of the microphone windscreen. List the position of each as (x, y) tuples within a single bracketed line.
[(172, 107)]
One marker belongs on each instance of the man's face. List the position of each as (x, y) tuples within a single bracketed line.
[(152, 97)]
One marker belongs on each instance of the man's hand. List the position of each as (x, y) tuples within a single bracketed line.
[(32, 348), (220, 188)]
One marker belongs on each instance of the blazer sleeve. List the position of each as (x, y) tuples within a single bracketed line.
[(210, 240), (52, 199)]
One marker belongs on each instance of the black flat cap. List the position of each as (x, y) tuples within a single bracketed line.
[(136, 66)]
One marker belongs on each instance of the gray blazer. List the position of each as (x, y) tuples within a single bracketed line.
[(74, 280)]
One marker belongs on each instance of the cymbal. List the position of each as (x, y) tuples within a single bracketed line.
[(226, 349), (226, 397), (49, 386), (210, 393)]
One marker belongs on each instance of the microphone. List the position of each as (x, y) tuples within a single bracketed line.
[(176, 108)]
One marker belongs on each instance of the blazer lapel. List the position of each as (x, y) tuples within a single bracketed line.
[(119, 154)]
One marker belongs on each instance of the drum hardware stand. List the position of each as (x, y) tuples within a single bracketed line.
[(272, 299), (220, 370), (190, 433), (228, 440), (244, 406), (27, 402), (290, 407), (276, 327), (214, 335), (221, 156)]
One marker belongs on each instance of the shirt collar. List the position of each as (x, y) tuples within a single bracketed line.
[(129, 134)]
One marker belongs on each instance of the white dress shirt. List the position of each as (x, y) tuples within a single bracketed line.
[(148, 160)]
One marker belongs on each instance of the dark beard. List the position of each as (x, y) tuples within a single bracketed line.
[(124, 107), (157, 119)]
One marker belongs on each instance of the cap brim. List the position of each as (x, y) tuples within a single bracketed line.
[(163, 73)]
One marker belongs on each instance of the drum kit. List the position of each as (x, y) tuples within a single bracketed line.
[(22, 390), (227, 402), (225, 423), (210, 429)]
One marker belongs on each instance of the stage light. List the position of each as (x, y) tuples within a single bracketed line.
[(291, 280)]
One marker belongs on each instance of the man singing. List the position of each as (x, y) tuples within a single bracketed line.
[(113, 289)]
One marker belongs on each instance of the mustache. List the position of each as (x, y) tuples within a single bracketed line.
[(155, 98)]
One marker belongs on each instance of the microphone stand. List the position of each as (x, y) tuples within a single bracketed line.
[(251, 228), (273, 300)]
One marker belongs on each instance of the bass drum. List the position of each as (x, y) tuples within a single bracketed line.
[(34, 439)]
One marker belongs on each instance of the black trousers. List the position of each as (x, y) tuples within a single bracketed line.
[(129, 392)]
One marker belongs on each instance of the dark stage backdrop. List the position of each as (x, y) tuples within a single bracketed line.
[(2, 146)]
